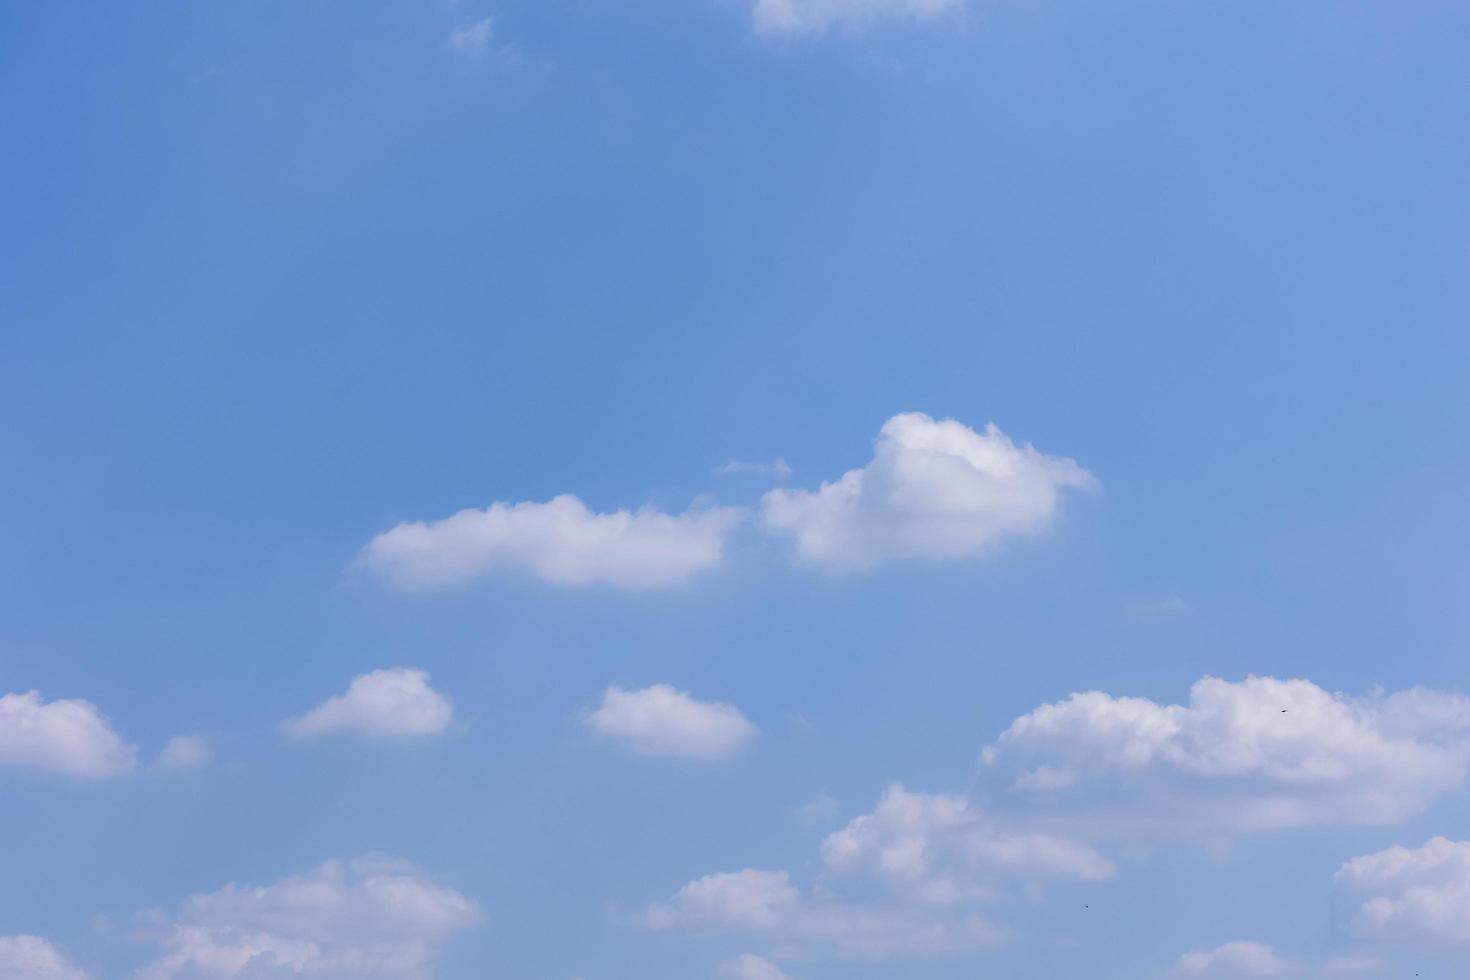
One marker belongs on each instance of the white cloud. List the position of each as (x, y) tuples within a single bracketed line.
[(766, 902), (1259, 754), (932, 854), (390, 703), (750, 967), (560, 541), (185, 752), (472, 38), (33, 958), (933, 490), (939, 849), (660, 720), (1419, 895), (370, 918), (817, 16), (1243, 958), (66, 736)]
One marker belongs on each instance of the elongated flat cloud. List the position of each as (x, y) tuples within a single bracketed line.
[(560, 541), (1419, 895), (817, 16), (33, 958), (940, 849), (371, 918), (1242, 958), (67, 736), (1254, 755), (750, 967), (390, 703), (933, 490), (662, 721)]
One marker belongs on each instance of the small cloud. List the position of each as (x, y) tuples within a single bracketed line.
[(809, 17), (1242, 958), (33, 958), (750, 967), (185, 752), (390, 703), (662, 721), (67, 736), (820, 810), (472, 39)]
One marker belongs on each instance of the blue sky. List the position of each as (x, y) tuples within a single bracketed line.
[(284, 287)]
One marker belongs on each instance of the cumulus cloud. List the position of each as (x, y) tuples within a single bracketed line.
[(933, 490), (766, 902), (930, 855), (388, 703), (750, 967), (1410, 895), (33, 958), (560, 541), (1253, 755), (939, 849), (370, 918), (1243, 958), (817, 16), (662, 721), (472, 38), (185, 752), (66, 736)]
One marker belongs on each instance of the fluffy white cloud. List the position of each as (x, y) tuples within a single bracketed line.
[(766, 902), (371, 918), (1238, 959), (750, 967), (931, 853), (660, 720), (33, 958), (1258, 754), (185, 752), (935, 490), (939, 849), (560, 541), (816, 16), (66, 736), (472, 38), (1418, 895), (390, 703)]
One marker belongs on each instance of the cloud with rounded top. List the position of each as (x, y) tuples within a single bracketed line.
[(70, 737), (663, 721), (935, 490), (391, 703)]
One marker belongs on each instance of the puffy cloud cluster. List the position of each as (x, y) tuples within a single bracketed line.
[(663, 721), (391, 703), (933, 490), (67, 736), (816, 16), (371, 918), (1410, 895), (33, 958), (1257, 754), (1242, 958), (932, 853), (939, 849), (767, 903), (560, 541)]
